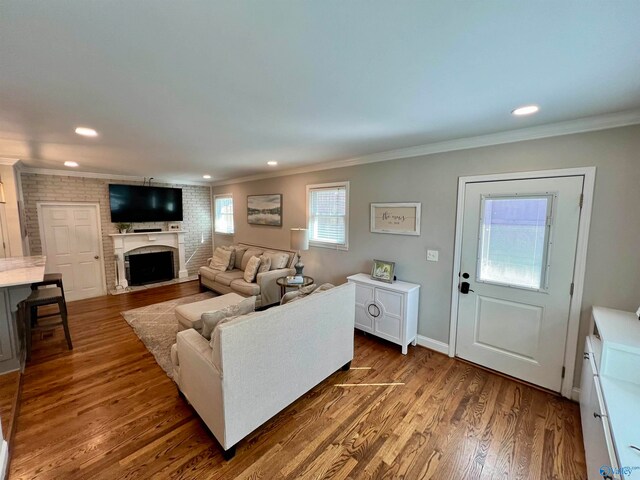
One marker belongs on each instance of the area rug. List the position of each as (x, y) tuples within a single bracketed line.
[(156, 326)]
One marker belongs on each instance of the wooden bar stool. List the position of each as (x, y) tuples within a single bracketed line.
[(49, 279), (29, 307)]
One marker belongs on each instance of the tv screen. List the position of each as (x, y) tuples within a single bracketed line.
[(133, 203)]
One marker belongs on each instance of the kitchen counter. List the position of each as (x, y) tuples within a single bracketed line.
[(16, 276), (21, 270)]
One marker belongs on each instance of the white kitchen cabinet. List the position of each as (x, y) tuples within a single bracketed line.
[(387, 310), (610, 396)]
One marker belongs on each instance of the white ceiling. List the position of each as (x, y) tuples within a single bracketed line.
[(182, 88)]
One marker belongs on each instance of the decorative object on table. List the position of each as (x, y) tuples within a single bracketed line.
[(123, 227), (383, 271), (174, 226), (299, 242), (295, 279), (264, 210), (396, 218)]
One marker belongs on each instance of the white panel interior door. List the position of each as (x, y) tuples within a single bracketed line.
[(71, 242), (518, 250)]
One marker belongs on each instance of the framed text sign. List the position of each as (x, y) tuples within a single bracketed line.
[(396, 218)]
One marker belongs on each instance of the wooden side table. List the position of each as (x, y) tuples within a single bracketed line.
[(284, 284)]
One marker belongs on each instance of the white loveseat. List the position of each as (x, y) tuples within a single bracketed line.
[(260, 363)]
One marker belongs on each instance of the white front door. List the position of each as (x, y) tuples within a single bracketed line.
[(71, 241), (518, 251)]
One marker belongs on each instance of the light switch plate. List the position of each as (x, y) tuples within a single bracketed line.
[(432, 255)]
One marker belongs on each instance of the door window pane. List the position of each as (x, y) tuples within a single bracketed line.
[(513, 240)]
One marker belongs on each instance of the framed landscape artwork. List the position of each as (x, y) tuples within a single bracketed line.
[(396, 218), (264, 210)]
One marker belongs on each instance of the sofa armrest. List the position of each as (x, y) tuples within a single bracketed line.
[(194, 350), (200, 381), (269, 289)]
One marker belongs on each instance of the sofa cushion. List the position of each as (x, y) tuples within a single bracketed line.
[(225, 278), (245, 288), (265, 263), (251, 270), (251, 252), (239, 249), (220, 259), (278, 259), (209, 273), (211, 319)]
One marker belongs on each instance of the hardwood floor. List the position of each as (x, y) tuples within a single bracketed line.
[(106, 410)]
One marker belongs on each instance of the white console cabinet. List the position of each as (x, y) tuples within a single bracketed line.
[(610, 396), (387, 310)]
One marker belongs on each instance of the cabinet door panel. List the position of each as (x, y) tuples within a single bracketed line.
[(388, 327), (363, 321), (364, 294), (391, 302)]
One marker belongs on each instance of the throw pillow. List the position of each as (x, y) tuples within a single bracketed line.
[(289, 297), (251, 270), (239, 254), (278, 259), (212, 319), (220, 259), (323, 288), (232, 258), (307, 290), (251, 252), (265, 264)]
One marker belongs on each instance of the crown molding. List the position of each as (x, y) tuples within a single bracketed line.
[(581, 125), (9, 161), (106, 176)]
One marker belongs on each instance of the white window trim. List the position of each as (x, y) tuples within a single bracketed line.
[(332, 246), (224, 195)]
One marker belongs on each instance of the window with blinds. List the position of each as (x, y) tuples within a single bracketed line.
[(328, 214), (223, 221)]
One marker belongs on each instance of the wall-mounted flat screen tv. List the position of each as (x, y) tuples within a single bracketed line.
[(133, 203)]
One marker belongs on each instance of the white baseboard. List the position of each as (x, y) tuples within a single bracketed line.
[(432, 344), (4, 459), (575, 394)]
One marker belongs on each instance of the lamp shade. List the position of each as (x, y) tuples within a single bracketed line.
[(299, 239)]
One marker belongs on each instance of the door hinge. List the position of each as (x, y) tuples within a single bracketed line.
[(563, 371), (571, 289), (581, 201)]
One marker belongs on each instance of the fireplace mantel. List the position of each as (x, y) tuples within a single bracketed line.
[(125, 242)]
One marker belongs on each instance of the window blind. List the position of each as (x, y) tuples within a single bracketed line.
[(327, 215), (224, 214)]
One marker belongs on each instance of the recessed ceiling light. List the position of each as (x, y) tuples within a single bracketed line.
[(526, 110), (272, 163), (206, 177), (86, 132), (70, 164)]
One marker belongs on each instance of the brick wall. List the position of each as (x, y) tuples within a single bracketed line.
[(196, 222)]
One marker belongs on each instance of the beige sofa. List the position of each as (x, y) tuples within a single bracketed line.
[(258, 364), (265, 288)]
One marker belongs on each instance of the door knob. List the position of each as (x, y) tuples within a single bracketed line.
[(97, 257)]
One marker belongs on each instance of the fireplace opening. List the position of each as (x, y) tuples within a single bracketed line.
[(153, 267)]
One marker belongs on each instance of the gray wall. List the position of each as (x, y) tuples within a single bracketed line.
[(613, 264), (47, 188)]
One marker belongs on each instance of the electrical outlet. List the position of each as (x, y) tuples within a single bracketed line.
[(432, 255)]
